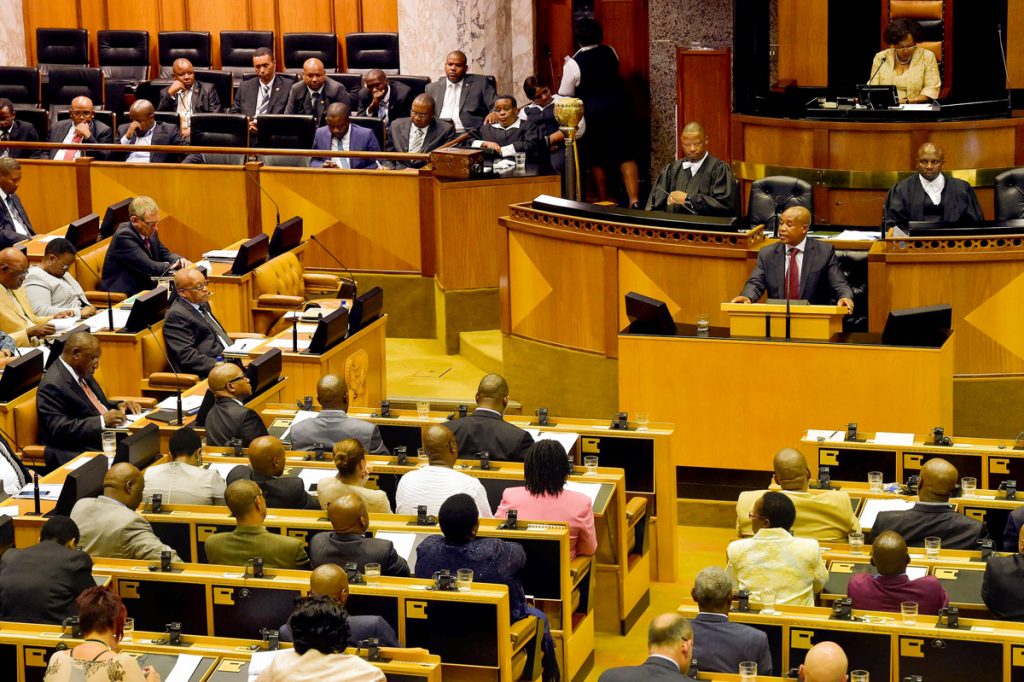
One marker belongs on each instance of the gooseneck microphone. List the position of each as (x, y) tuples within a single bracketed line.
[(177, 379), (110, 304), (1006, 71), (351, 281), (277, 209), (885, 57)]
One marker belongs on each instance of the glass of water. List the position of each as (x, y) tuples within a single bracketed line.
[(372, 573), (464, 579), (748, 670), (109, 443), (932, 545), (875, 481), (859, 676), (590, 464), (423, 409), (908, 609), (422, 457), (969, 484), (643, 420), (856, 542), (129, 629)]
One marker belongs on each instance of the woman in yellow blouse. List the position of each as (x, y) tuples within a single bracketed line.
[(912, 69)]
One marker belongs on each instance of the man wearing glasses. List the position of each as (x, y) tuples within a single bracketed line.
[(193, 334), (81, 128), (136, 254), (229, 418)]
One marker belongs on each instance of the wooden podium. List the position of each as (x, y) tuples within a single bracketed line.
[(768, 320)]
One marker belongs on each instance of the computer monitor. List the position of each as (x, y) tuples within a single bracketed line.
[(648, 315), (928, 326), (366, 308), (84, 232), (878, 96), (85, 481), (286, 236), (114, 216), (20, 375), (149, 308), (264, 371), (251, 254), (142, 448), (57, 347), (330, 330)]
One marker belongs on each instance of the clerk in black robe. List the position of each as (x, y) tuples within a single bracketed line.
[(699, 183), (908, 199), (511, 135)]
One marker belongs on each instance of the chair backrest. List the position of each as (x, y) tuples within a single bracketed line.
[(286, 131), (94, 259), (351, 81), (124, 54), (1010, 194), (68, 82), (220, 130), (191, 45), (236, 48), (222, 81), (154, 354), (373, 123), (26, 423), (935, 17), (365, 51), (772, 195), (298, 47), (104, 116), (39, 118), (281, 275), (417, 84), (20, 84), (68, 46)]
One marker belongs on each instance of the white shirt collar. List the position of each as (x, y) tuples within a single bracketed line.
[(694, 166), (803, 249), (74, 374), (267, 85), (487, 409), (343, 142), (313, 92), (514, 125), (4, 195), (676, 665), (933, 188)]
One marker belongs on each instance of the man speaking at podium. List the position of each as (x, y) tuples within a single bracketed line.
[(797, 267)]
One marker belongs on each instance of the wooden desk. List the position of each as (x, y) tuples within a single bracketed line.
[(232, 296)]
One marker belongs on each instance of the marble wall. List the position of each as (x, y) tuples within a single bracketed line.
[(12, 34)]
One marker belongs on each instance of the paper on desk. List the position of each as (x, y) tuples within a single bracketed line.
[(300, 416), (566, 439), (405, 544), (915, 572), (286, 344), (100, 321), (260, 661), (242, 346), (307, 327), (856, 236), (204, 264), (222, 468), (873, 507), (46, 239), (184, 668), (11, 511), (189, 403), (132, 418), (311, 476), (826, 435), (221, 254), (62, 324), (47, 491), (927, 106), (887, 438), (76, 463), (589, 489)]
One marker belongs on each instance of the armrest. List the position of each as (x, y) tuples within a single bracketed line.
[(635, 510), (99, 298), (247, 335), (141, 400), (523, 630), (282, 301), (169, 379), (35, 451), (579, 568), (320, 280)]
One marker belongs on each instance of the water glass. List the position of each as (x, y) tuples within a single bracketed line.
[(521, 161), (422, 457), (423, 409), (464, 579), (969, 484), (748, 670), (109, 443), (767, 602), (372, 573), (129, 629), (932, 545), (642, 421), (703, 322), (590, 463), (875, 481), (909, 611), (856, 542), (859, 676)]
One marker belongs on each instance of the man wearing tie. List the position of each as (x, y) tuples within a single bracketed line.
[(315, 93), (698, 184), (136, 255), (421, 132), (14, 223), (381, 99), (341, 136), (13, 130), (16, 316), (465, 99), (797, 267), (186, 96), (193, 335), (265, 94), (80, 128)]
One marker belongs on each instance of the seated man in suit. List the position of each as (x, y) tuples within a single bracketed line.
[(331, 424), (699, 183), (72, 409), (39, 584), (348, 543), (136, 255), (183, 480), (266, 466), (436, 482), (1002, 589), (825, 662), (15, 225), (16, 316), (931, 194), (250, 538), (465, 100), (891, 586), (109, 524), (420, 133), (229, 419), (933, 515), (670, 643), (144, 130), (339, 135), (80, 128), (315, 92), (265, 94), (13, 130), (510, 135), (485, 430), (186, 96), (797, 267), (1011, 534), (194, 337), (718, 645), (49, 286), (820, 514), (380, 98)]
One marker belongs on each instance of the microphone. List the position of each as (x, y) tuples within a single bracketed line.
[(885, 57), (24, 470), (348, 285), (110, 304), (277, 209), (1006, 71), (177, 379)]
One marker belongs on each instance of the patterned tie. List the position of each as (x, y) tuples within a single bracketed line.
[(13, 462), (265, 103), (416, 140), (793, 276), (215, 325), (100, 407), (69, 154)]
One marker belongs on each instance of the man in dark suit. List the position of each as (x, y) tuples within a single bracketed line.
[(136, 255), (341, 135), (194, 336), (718, 645), (485, 430), (931, 194), (379, 98), (315, 93), (933, 515), (797, 267), (72, 408), (1002, 589), (229, 419), (670, 644), (80, 128), (14, 223), (509, 136), (250, 538), (186, 96), (13, 130), (39, 584), (464, 99), (145, 130), (348, 543), (266, 464), (421, 132), (699, 183), (265, 94)]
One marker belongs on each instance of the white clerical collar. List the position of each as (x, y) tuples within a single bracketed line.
[(501, 127), (694, 166), (933, 188)]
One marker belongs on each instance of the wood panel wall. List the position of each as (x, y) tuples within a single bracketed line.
[(1015, 42), (279, 16), (803, 42)]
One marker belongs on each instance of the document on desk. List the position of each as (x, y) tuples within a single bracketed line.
[(405, 544), (915, 572), (591, 490), (222, 468), (101, 320), (242, 346), (47, 491), (312, 476), (184, 668), (287, 345), (873, 507), (63, 324), (300, 416), (886, 438), (190, 404), (227, 255), (567, 439), (826, 435), (856, 236), (11, 511), (260, 661)]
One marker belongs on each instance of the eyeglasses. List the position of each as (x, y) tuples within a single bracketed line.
[(202, 286), (238, 378), (753, 516)]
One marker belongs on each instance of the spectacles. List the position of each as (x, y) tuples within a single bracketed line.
[(202, 286), (238, 378), (753, 516)]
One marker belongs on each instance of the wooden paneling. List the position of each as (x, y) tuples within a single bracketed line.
[(789, 147), (853, 207), (46, 208), (803, 41), (223, 15), (132, 15), (1015, 42), (554, 37), (855, 150), (295, 16), (704, 94), (625, 24), (46, 14), (380, 16), (980, 148), (172, 15)]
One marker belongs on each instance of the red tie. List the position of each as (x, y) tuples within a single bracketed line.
[(793, 276), (69, 154), (100, 407)]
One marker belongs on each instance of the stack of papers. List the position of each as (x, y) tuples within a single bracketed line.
[(589, 489), (856, 236), (287, 344), (189, 403), (300, 416), (47, 491), (62, 324), (260, 661), (242, 346), (221, 255), (567, 439), (101, 320), (873, 507)]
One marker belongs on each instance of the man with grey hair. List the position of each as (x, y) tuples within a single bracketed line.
[(136, 255), (720, 646), (486, 430), (825, 662), (670, 650)]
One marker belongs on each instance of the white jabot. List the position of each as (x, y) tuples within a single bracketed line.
[(694, 166), (933, 188)]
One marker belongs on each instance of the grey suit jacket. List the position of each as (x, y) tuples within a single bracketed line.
[(654, 668), (475, 103), (330, 426), (720, 646), (341, 548), (110, 529), (438, 133), (821, 280)]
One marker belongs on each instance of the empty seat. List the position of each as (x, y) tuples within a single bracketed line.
[(37, 118), (20, 84), (365, 51), (417, 84), (772, 195), (236, 48), (123, 55), (220, 130), (191, 45), (222, 82), (286, 131), (61, 47), (1010, 194), (373, 123), (351, 81), (298, 47)]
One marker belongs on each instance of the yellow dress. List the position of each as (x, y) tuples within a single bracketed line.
[(920, 78)]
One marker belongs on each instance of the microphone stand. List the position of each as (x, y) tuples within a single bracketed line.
[(177, 379), (1006, 71), (871, 103), (110, 303), (351, 281)]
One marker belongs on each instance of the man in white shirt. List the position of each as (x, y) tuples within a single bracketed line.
[(186, 96), (144, 130), (183, 480), (436, 482), (931, 195), (465, 100), (50, 287), (14, 223)]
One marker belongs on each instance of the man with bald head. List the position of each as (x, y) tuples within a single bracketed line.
[(348, 543), (891, 586), (797, 268), (931, 195), (250, 538), (194, 336), (933, 515), (820, 514), (186, 96), (331, 424), (17, 317), (109, 525), (464, 99), (486, 430), (433, 484), (697, 184), (229, 419), (670, 650), (825, 662), (379, 98), (315, 92), (266, 468), (144, 130), (340, 135), (422, 132), (80, 128)]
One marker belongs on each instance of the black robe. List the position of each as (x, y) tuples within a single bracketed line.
[(711, 192), (525, 138), (906, 202)]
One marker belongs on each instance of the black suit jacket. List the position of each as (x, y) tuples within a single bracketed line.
[(204, 99), (282, 492), (399, 102), (359, 628), (129, 267), (486, 431), (25, 132), (341, 548), (227, 419), (907, 201), (821, 280), (301, 102), (1002, 589), (476, 101), (922, 520), (8, 235), (249, 92), (100, 134), (438, 133), (39, 584), (68, 422), (192, 343), (164, 134), (654, 668)]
